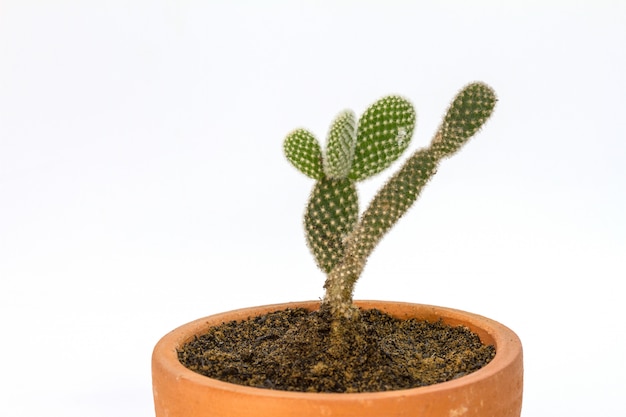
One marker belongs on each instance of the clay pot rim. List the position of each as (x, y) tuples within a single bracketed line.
[(507, 344)]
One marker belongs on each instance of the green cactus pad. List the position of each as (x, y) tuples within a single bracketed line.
[(384, 132), (469, 110), (330, 216), (303, 150), (340, 145), (393, 200)]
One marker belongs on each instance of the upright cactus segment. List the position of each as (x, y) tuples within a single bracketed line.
[(385, 131), (339, 240), (330, 217), (340, 146), (469, 110), (305, 153)]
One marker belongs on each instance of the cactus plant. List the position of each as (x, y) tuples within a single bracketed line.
[(338, 237)]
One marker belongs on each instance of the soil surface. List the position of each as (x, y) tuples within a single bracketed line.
[(288, 350)]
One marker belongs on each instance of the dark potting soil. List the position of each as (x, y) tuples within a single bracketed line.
[(288, 350)]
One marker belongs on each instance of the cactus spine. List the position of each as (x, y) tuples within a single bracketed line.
[(339, 240)]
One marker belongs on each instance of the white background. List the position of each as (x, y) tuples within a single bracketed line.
[(142, 181)]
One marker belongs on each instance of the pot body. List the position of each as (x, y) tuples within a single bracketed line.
[(493, 391)]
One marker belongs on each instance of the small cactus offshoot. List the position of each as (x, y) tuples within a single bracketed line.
[(339, 237)]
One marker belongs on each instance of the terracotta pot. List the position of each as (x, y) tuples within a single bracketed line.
[(493, 391)]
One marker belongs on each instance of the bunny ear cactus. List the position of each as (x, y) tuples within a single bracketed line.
[(338, 238)]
